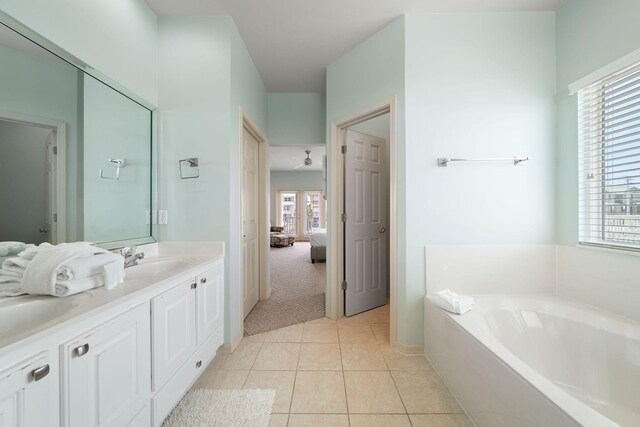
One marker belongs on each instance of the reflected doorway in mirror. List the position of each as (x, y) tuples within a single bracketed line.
[(32, 173)]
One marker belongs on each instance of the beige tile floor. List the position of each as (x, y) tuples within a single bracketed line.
[(338, 373)]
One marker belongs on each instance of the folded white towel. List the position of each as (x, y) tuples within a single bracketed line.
[(11, 248), (10, 286), (87, 266), (452, 302), (40, 275), (64, 288)]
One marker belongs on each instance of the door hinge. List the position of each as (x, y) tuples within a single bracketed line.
[(344, 285), (344, 217), (55, 150), (55, 217), (343, 149)]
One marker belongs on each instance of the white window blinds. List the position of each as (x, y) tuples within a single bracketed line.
[(609, 160)]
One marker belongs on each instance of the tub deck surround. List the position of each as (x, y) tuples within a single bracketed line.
[(538, 360), (57, 314)]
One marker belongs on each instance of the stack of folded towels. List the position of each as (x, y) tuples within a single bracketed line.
[(60, 270), (450, 301)]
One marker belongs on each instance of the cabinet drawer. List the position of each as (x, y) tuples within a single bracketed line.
[(174, 330), (168, 397)]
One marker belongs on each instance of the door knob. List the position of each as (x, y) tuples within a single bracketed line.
[(382, 230)]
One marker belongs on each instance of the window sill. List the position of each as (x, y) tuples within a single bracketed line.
[(618, 251)]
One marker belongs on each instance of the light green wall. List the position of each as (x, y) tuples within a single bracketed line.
[(292, 180), (116, 37), (591, 34), (472, 85), (205, 76), (373, 72), (296, 118), (477, 85)]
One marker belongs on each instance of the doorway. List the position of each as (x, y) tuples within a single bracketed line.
[(297, 220), (337, 256), (254, 184), (33, 173)]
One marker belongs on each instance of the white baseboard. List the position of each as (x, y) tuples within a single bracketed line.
[(231, 347), (409, 350)]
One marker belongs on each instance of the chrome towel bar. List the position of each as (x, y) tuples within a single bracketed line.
[(443, 162)]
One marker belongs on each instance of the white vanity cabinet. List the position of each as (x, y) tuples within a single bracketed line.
[(210, 301), (174, 330), (186, 333), (26, 391), (124, 357), (106, 375)]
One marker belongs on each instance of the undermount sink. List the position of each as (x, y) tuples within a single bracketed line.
[(30, 312), (154, 268)]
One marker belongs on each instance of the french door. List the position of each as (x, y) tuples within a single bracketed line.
[(301, 212)]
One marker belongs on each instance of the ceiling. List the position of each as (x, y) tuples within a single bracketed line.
[(293, 41), (291, 158)]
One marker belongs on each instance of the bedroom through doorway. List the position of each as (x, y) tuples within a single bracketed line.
[(298, 214)]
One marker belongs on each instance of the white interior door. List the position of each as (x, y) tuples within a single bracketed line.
[(365, 227), (250, 221), (25, 164)]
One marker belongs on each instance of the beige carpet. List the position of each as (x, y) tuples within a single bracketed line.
[(297, 291)]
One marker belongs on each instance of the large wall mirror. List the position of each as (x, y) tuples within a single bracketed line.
[(75, 149)]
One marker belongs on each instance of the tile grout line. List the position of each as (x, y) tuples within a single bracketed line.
[(344, 379)]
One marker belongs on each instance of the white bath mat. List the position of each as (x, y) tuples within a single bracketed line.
[(223, 408)]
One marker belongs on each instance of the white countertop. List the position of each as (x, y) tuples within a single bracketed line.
[(181, 259)]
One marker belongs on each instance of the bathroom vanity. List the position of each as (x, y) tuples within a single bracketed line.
[(120, 357)]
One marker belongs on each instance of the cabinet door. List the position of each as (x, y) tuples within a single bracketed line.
[(210, 300), (107, 373), (174, 330), (28, 394)]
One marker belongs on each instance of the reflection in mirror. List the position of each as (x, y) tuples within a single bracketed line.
[(59, 127)]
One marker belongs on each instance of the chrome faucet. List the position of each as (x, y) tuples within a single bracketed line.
[(131, 256)]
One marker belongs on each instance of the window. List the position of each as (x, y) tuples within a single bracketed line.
[(609, 160)]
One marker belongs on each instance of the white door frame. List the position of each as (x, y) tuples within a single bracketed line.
[(264, 280), (335, 296), (59, 201)]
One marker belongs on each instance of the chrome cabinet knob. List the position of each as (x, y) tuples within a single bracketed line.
[(382, 230), (43, 230), (39, 373), (198, 363), (203, 280), (81, 350)]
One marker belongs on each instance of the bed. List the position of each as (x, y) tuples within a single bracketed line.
[(318, 240)]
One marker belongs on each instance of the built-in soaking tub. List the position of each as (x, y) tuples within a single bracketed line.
[(537, 361)]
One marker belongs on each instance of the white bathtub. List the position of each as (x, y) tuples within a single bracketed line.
[(537, 361)]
